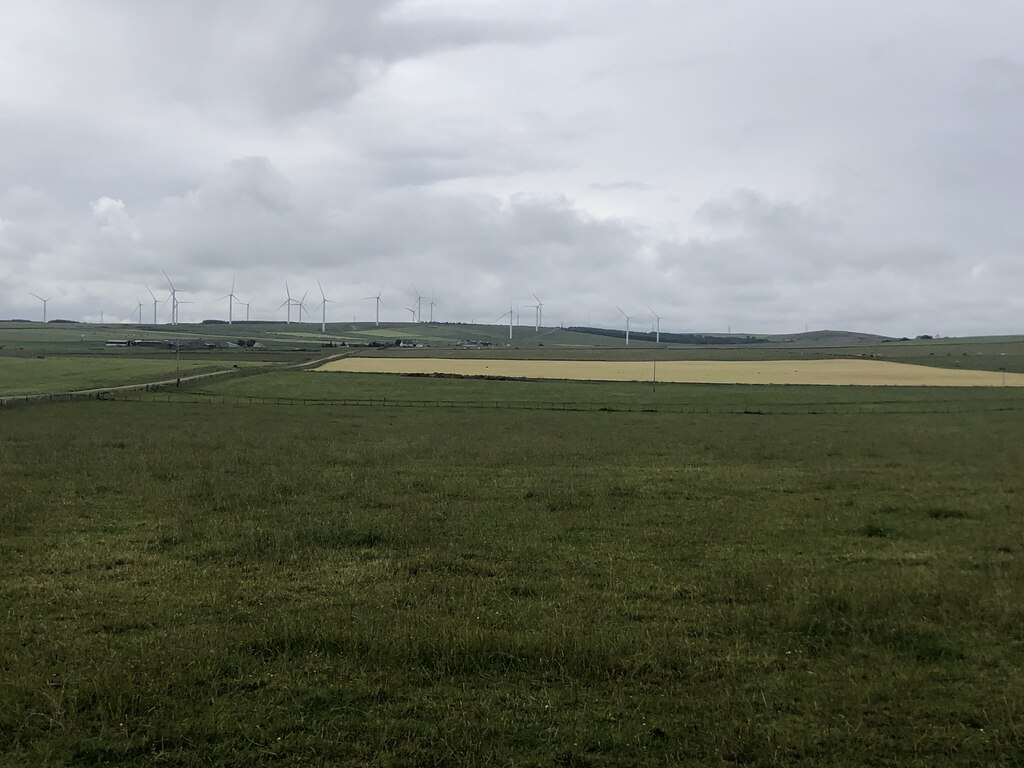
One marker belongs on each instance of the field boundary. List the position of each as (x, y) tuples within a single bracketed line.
[(157, 395), (103, 393)]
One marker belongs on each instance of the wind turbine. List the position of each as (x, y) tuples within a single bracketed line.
[(246, 305), (174, 300), (432, 305), (323, 304), (287, 302), (301, 304), (139, 309), (511, 317), (657, 320), (419, 305), (378, 301), (44, 304), (627, 323), (231, 299), (176, 305), (155, 302), (540, 312), (411, 311)]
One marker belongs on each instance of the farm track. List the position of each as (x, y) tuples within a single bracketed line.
[(101, 393)]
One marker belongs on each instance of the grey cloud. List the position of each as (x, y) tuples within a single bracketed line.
[(843, 166), (623, 186)]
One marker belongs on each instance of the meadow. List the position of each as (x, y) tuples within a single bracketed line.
[(300, 387), (30, 375), (231, 584)]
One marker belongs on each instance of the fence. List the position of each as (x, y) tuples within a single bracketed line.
[(157, 395)]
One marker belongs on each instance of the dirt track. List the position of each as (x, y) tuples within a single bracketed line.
[(834, 372)]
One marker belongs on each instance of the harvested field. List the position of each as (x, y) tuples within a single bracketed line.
[(834, 372)]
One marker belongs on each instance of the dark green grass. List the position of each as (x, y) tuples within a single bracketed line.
[(194, 585), (731, 397)]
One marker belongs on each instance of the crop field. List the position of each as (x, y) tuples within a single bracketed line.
[(821, 372), (220, 584)]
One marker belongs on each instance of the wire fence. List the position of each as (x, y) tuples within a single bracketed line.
[(155, 395)]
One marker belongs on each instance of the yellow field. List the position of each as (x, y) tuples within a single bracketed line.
[(861, 372)]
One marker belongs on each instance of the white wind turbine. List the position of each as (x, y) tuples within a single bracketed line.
[(419, 305), (411, 311), (432, 305), (657, 320), (174, 300), (627, 323), (301, 303), (155, 302), (288, 302), (511, 317), (246, 305), (324, 301), (44, 304), (139, 309), (231, 299), (540, 312), (378, 302)]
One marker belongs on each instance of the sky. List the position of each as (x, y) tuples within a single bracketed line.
[(727, 164)]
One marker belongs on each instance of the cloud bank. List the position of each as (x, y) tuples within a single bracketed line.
[(732, 165)]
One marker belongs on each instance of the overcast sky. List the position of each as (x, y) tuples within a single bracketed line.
[(760, 165)]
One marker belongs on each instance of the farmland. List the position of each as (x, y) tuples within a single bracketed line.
[(823, 576), (823, 372), (29, 375)]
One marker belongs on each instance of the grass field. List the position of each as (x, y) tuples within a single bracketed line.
[(311, 386), (312, 585), (29, 375)]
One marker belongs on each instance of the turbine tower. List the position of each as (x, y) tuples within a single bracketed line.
[(627, 323), (287, 302), (657, 321), (178, 304), (301, 303), (540, 312), (432, 305), (324, 301), (378, 301), (155, 302), (139, 309), (174, 300), (511, 317), (411, 311), (231, 299), (419, 305), (246, 305), (44, 304)]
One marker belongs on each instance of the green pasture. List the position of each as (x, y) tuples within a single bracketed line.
[(314, 385), (48, 374), (197, 584)]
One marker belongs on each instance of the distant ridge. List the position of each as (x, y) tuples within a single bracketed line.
[(672, 338), (826, 338)]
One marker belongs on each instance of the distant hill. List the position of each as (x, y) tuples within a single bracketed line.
[(672, 338), (828, 338), (810, 338)]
